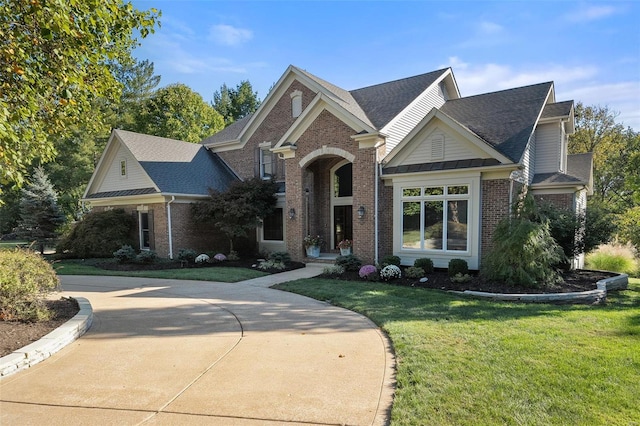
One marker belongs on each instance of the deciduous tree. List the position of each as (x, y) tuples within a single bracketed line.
[(55, 59), (178, 112)]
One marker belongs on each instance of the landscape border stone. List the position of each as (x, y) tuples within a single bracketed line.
[(599, 295), (42, 349)]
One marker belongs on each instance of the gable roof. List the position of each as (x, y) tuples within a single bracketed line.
[(382, 102), (505, 119), (374, 106), (557, 110), (174, 167)]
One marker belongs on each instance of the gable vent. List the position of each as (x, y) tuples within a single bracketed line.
[(437, 147)]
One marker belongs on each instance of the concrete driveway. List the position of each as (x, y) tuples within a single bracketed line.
[(189, 352)]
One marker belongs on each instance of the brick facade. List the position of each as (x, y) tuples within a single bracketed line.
[(495, 206)]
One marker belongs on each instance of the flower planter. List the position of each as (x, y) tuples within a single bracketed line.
[(345, 251), (313, 251)]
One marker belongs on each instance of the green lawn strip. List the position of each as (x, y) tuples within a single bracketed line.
[(218, 273), (12, 244), (467, 361)]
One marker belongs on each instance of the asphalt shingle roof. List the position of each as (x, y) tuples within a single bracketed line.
[(229, 133), (558, 109), (382, 102), (442, 165), (504, 119), (579, 167), (178, 167)]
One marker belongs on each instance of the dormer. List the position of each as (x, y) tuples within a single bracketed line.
[(552, 137)]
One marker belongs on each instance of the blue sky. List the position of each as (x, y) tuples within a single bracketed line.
[(591, 50)]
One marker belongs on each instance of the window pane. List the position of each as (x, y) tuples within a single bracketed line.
[(266, 164), (411, 192), (411, 225), (463, 189), (457, 220), (272, 226), (433, 225), (343, 181), (436, 190), (144, 230)]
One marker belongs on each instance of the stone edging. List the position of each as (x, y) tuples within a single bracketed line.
[(619, 282), (42, 349)]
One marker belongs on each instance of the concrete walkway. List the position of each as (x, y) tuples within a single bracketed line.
[(193, 352)]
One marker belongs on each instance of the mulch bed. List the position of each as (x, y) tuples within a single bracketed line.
[(15, 334), (574, 281)]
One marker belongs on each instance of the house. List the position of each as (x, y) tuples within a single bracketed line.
[(408, 167)]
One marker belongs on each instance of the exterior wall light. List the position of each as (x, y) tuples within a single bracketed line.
[(361, 212), (292, 213)]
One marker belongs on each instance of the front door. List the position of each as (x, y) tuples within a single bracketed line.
[(342, 223)]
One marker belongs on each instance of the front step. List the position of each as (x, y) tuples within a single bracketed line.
[(326, 258)]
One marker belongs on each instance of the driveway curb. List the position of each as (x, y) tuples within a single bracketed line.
[(42, 349)]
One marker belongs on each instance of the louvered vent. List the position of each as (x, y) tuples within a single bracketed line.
[(437, 147)]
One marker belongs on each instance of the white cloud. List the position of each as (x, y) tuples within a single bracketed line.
[(490, 28), (591, 13), (227, 35)]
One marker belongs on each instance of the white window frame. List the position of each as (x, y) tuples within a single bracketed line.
[(265, 150), (123, 168), (439, 257)]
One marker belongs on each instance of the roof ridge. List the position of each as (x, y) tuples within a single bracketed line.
[(502, 91), (400, 79)]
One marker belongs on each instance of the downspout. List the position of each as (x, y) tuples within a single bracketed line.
[(375, 212), (173, 198)]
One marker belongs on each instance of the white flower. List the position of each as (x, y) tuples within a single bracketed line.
[(390, 272), (202, 258)]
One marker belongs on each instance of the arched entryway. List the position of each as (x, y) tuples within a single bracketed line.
[(327, 179)]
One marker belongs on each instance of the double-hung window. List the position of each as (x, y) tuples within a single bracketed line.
[(435, 218), (266, 164)]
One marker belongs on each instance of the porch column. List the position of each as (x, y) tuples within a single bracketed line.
[(364, 196), (295, 199)]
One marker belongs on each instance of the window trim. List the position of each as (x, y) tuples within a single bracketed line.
[(440, 258)]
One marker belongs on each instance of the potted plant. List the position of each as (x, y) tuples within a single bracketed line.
[(345, 247), (312, 245)]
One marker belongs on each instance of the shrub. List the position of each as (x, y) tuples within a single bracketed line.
[(218, 257), (458, 266), (390, 272), (25, 278), (187, 255), (390, 260), (460, 278), (368, 272), (203, 258), (146, 256), (614, 258), (280, 256), (414, 272), (233, 256), (99, 234), (523, 251), (425, 263), (125, 254), (333, 270), (349, 262), (271, 264)]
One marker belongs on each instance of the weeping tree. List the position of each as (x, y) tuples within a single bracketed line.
[(523, 250), (238, 210), (40, 216)]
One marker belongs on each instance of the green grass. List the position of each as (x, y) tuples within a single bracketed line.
[(11, 244), (219, 273), (465, 361)]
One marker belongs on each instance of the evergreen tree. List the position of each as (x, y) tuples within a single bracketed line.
[(234, 104), (40, 215)]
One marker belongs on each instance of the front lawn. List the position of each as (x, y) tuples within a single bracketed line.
[(218, 273), (466, 361)]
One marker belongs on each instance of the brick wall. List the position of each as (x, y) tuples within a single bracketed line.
[(199, 236), (495, 207), (562, 201), (273, 127), (385, 220)]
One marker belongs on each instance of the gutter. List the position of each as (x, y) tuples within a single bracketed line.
[(173, 198)]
